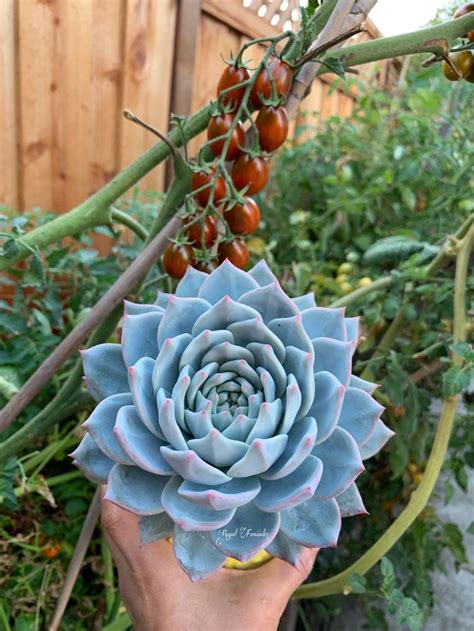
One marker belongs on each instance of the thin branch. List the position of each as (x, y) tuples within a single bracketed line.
[(339, 39), (425, 371), (126, 220), (75, 564), (72, 342)]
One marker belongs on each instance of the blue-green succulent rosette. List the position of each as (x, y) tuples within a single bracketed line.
[(229, 420)]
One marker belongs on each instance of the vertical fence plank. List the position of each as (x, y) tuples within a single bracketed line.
[(8, 113), (35, 67), (148, 66)]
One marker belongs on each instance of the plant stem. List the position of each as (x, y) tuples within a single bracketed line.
[(76, 561), (420, 497), (108, 578), (386, 342), (120, 217), (95, 211), (422, 41), (357, 294)]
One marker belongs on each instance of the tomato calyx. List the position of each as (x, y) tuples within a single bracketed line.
[(220, 109)]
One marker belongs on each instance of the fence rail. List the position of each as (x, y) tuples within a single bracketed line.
[(69, 67)]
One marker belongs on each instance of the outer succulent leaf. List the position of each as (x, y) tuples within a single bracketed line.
[(305, 302), (255, 531), (333, 356), (265, 358), (377, 440), (198, 423), (180, 317), (105, 370), (135, 490), (195, 554), (301, 365), (200, 345), (362, 384), (240, 427), (226, 280), (227, 352), (359, 414), (262, 274), (143, 395), (314, 523), (237, 492), (263, 452), (291, 332), (217, 449), (162, 299), (100, 426), (167, 420), (179, 393), (327, 404), (188, 515), (268, 385), (155, 527), (223, 313), (242, 367), (341, 463), (134, 308), (139, 336), (267, 421), (93, 463), (352, 328), (301, 439), (270, 302), (295, 488), (193, 468), (254, 330), (190, 284), (282, 547), (323, 322), (350, 502), (167, 364), (140, 445), (292, 404)]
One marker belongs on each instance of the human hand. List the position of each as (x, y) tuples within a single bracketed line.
[(160, 597)]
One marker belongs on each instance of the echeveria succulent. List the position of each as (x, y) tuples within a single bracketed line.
[(229, 420)]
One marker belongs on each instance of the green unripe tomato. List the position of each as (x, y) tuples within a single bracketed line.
[(353, 257), (345, 287), (345, 268), (341, 278), (365, 281)]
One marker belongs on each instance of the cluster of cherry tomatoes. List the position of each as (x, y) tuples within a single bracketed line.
[(463, 60), (227, 196)]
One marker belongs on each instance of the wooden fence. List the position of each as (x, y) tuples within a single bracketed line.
[(69, 67)]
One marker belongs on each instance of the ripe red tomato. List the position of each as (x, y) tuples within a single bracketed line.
[(236, 251), (220, 125), (272, 125), (262, 88), (207, 266), (243, 218), (177, 258), (461, 12), (201, 178), (195, 232), (463, 60), (250, 171), (230, 77)]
